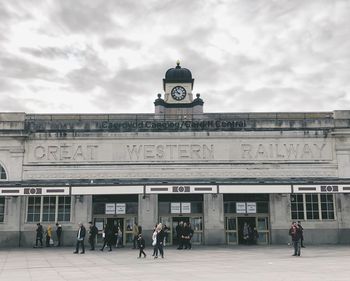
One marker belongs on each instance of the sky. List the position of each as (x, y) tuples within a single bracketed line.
[(110, 56)]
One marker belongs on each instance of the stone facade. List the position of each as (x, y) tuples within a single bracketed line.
[(136, 151)]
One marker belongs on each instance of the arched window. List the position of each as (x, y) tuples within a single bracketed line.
[(2, 173)]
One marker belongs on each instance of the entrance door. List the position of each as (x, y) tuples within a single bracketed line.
[(250, 223), (176, 221), (125, 223)]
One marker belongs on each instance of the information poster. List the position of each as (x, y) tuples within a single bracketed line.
[(185, 207), (120, 208), (251, 207), (110, 209), (175, 208), (240, 207)]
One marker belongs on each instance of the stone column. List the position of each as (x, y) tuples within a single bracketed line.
[(214, 224), (148, 214), (280, 218)]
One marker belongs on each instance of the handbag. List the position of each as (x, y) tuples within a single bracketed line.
[(51, 241), (154, 242)]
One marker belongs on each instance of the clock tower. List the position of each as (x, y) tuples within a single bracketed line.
[(178, 99)]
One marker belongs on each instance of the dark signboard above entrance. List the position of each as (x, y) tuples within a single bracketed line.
[(135, 125)]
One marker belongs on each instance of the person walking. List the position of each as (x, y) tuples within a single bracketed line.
[(119, 238), (108, 237), (185, 236), (48, 235), (154, 242), (141, 245), (58, 233), (245, 233), (135, 233), (160, 239), (39, 235), (92, 235), (179, 230), (295, 232), (80, 239), (191, 232)]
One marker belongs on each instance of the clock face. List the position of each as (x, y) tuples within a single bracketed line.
[(178, 93)]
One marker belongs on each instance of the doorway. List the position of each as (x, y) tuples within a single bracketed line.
[(250, 224), (124, 222), (175, 222)]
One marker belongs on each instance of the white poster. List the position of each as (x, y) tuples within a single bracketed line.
[(120, 208), (185, 207), (110, 209), (175, 208), (240, 207), (251, 207)]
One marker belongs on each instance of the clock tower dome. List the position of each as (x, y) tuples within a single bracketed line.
[(178, 98)]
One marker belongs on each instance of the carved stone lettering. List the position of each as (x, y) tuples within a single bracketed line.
[(169, 152), (39, 152), (65, 152), (283, 151)]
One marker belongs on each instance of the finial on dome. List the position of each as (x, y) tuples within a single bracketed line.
[(178, 62)]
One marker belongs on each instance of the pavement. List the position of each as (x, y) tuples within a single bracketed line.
[(273, 263)]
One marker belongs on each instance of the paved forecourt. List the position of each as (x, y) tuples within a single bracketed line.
[(203, 263)]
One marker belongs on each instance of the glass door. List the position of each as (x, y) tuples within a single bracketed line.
[(231, 230), (127, 233), (263, 230), (197, 226)]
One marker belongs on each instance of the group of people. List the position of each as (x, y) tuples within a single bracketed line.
[(296, 231), (112, 236), (184, 234), (158, 240), (250, 234), (40, 233)]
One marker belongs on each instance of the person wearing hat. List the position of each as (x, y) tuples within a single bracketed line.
[(92, 235)]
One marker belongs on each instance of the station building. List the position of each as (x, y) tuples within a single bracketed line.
[(214, 170)]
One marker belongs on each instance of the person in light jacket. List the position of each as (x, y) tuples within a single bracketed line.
[(80, 239)]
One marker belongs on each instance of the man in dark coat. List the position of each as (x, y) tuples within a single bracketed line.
[(185, 236), (39, 235), (92, 235), (179, 231), (141, 245), (295, 232), (59, 234), (80, 239), (302, 235)]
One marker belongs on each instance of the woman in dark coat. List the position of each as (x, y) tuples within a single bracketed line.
[(160, 239), (108, 239)]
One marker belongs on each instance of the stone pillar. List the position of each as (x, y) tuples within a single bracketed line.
[(342, 203), (12, 226), (148, 214), (280, 218), (214, 224)]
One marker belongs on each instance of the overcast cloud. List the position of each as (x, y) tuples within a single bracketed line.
[(111, 56)]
